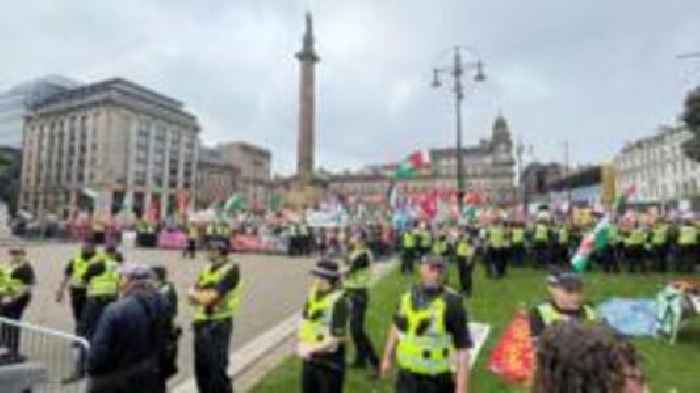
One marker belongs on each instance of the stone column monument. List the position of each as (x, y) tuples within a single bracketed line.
[(307, 106)]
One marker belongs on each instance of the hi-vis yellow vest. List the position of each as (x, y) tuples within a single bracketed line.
[(497, 237), (107, 283), (8, 285), (464, 249), (439, 247), (688, 235), (541, 233), (79, 267), (518, 235), (427, 352), (227, 307), (550, 314), (408, 240), (360, 278), (315, 326), (563, 235)]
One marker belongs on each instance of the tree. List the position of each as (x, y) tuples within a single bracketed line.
[(691, 117)]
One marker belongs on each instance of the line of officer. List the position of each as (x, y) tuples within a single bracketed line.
[(16, 282), (216, 296), (429, 330), (322, 332), (566, 302), (408, 250), (356, 286)]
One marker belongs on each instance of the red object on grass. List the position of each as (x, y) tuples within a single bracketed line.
[(513, 357)]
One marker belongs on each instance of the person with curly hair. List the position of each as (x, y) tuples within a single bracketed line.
[(585, 357)]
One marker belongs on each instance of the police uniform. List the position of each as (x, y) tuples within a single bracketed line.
[(213, 326), (324, 316), (102, 282), (432, 324), (464, 253), (635, 252), (408, 250), (497, 243), (16, 281), (172, 332), (356, 286), (75, 274), (563, 238), (687, 244), (540, 240), (192, 235), (547, 313), (517, 234), (425, 242), (659, 244), (440, 246)]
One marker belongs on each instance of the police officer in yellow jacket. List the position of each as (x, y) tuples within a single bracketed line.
[(497, 241), (16, 282), (102, 283), (356, 286), (322, 332), (74, 279), (216, 296), (687, 244), (428, 332), (566, 303), (635, 249), (409, 244), (464, 254)]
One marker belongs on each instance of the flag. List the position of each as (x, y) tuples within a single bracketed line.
[(90, 193), (621, 200), (513, 356), (595, 240), (234, 203), (409, 167)]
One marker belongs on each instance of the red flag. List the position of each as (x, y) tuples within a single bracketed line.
[(416, 159), (513, 357)]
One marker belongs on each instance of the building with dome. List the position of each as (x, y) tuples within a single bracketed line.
[(489, 168)]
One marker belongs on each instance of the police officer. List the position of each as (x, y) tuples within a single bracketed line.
[(540, 240), (356, 285), (518, 244), (687, 244), (304, 239), (74, 277), (216, 296), (408, 250), (429, 330), (425, 240), (293, 232), (497, 242), (635, 251), (102, 281), (465, 262), (322, 332), (440, 245), (15, 295), (562, 253), (192, 236), (126, 347), (659, 245), (566, 302)]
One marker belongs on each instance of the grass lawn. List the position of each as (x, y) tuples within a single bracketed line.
[(495, 303)]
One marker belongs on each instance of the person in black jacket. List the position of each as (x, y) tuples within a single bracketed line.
[(125, 351)]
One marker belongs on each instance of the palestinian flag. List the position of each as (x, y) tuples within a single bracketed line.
[(409, 167), (594, 241)]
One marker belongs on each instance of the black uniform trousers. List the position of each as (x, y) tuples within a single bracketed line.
[(364, 351), (321, 378), (541, 251), (636, 258), (407, 256), (465, 269), (661, 257), (498, 262), (78, 297), (212, 341), (10, 335), (407, 382), (190, 249), (608, 259), (686, 260)]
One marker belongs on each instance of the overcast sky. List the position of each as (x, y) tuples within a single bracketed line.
[(593, 72)]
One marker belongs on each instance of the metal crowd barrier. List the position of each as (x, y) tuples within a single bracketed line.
[(40, 360)]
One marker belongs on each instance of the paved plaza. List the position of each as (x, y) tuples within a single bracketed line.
[(275, 288)]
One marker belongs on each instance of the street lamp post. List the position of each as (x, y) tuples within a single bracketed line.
[(457, 70)]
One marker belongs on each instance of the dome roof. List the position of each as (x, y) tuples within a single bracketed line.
[(500, 123)]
